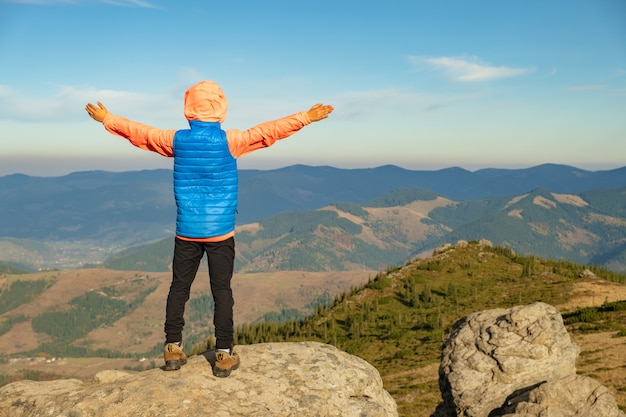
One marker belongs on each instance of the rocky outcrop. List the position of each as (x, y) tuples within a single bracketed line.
[(517, 362), (275, 379)]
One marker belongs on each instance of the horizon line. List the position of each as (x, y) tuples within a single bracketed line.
[(519, 167)]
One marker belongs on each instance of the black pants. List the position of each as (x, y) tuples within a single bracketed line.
[(187, 257)]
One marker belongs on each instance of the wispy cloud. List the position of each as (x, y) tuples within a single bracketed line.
[(588, 87), (391, 101), (67, 104), (117, 3), (620, 92), (130, 3), (467, 69), (39, 2)]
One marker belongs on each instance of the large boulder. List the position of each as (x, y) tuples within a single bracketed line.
[(516, 362), (275, 379)]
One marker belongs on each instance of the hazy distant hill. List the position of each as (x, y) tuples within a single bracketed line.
[(9, 268), (97, 205), (587, 228), (83, 218), (298, 187)]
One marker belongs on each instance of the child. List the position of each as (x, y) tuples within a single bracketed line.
[(205, 190)]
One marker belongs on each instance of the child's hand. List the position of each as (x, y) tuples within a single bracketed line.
[(319, 112), (97, 113)]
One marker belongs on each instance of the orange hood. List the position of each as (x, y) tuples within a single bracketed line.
[(205, 101)]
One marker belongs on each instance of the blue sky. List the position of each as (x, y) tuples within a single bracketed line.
[(419, 84)]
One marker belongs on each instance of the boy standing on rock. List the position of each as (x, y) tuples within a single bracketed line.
[(206, 194)]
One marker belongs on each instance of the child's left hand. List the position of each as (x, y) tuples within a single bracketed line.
[(97, 113)]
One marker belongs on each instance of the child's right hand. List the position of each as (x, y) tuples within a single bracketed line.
[(319, 112)]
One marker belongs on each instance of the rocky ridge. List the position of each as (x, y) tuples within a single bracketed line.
[(517, 362), (275, 379)]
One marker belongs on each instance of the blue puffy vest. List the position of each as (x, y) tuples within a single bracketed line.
[(205, 181)]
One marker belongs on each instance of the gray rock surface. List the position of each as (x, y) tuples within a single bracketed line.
[(275, 379), (517, 362), (572, 396)]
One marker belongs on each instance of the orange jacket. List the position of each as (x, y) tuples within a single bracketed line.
[(240, 143), (205, 101)]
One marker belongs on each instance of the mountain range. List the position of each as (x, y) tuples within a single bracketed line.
[(319, 218)]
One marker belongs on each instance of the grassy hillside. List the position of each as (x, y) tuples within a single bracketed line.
[(399, 319), (108, 313), (583, 228), (396, 320)]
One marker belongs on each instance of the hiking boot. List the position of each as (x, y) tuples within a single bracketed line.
[(174, 356), (225, 363)]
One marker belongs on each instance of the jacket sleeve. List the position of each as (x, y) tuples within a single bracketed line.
[(142, 136), (265, 134)]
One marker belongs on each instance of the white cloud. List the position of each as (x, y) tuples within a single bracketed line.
[(467, 69), (67, 104)]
